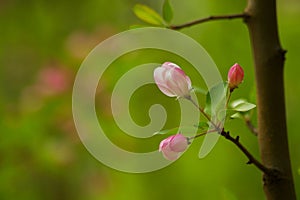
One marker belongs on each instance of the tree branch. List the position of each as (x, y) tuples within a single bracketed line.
[(206, 19), (251, 127), (251, 158)]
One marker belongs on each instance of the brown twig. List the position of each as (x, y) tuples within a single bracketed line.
[(251, 127), (251, 158), (206, 19), (218, 129), (203, 133)]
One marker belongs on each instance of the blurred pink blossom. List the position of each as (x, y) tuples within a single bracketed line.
[(53, 80), (172, 146)]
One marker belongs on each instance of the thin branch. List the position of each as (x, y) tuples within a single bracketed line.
[(197, 106), (251, 127), (203, 133), (206, 19), (251, 158)]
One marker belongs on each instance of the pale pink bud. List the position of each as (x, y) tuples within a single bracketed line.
[(172, 146), (235, 76), (172, 81)]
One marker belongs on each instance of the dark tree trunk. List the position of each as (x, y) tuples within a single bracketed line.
[(269, 62)]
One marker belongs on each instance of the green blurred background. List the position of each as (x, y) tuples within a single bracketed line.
[(42, 44)]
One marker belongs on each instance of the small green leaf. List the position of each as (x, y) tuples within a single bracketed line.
[(167, 11), (199, 90), (187, 130), (236, 102), (202, 125), (207, 108), (244, 107), (218, 93), (169, 131), (236, 116), (148, 15)]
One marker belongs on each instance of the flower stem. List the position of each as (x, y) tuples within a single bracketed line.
[(204, 113), (203, 133), (228, 98), (199, 108)]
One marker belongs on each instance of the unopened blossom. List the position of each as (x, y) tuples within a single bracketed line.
[(235, 76), (172, 80), (172, 146)]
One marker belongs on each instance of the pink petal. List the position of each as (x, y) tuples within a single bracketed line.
[(178, 143), (178, 83), (159, 77), (170, 155), (172, 81), (169, 65)]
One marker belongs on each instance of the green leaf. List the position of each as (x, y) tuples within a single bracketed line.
[(169, 131), (207, 108), (148, 15), (244, 107), (202, 125), (199, 90), (236, 116), (218, 94), (167, 11), (236, 102)]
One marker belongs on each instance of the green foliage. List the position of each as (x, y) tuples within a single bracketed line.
[(218, 94), (148, 15), (167, 11), (167, 131), (242, 105), (202, 126), (239, 109), (182, 129), (236, 115), (199, 90)]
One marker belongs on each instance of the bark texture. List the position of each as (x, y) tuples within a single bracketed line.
[(269, 62)]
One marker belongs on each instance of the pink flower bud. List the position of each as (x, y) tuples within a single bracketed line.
[(235, 76), (172, 81), (172, 146)]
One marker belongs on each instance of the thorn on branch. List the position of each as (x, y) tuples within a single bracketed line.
[(251, 158), (283, 52)]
